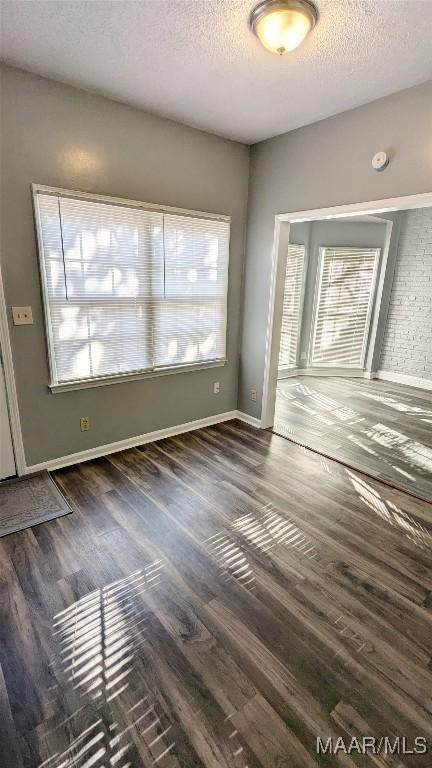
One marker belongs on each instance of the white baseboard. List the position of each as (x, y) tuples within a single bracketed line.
[(251, 420), (131, 442), (403, 378), (398, 378), (352, 373), (287, 373)]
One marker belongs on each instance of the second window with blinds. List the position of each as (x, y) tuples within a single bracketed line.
[(291, 309), (129, 290), (345, 280), (343, 305)]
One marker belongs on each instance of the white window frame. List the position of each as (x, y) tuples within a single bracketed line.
[(317, 296), (122, 377), (283, 370)]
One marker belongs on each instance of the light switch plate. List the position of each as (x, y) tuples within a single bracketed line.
[(22, 315)]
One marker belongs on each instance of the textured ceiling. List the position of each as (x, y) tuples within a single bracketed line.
[(196, 61)]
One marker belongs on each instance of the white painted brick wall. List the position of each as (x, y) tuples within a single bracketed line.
[(407, 346)]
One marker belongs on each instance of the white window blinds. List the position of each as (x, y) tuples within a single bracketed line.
[(129, 290), (343, 306), (291, 306)]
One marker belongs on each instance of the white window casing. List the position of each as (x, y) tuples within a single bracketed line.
[(129, 289), (290, 328), (345, 290)]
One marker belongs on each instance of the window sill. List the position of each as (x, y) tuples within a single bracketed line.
[(121, 378)]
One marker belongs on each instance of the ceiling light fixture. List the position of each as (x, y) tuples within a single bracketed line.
[(282, 25)]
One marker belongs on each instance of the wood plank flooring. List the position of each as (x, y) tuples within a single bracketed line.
[(378, 427), (219, 600)]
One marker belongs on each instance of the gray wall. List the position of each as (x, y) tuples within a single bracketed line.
[(407, 347), (325, 164), (60, 136)]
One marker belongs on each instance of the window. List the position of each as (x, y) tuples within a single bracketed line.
[(127, 289), (345, 291), (291, 306)]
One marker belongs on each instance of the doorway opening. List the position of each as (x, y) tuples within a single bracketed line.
[(12, 457), (349, 356), (7, 456)]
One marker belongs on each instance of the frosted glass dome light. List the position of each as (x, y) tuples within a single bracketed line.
[(282, 25)]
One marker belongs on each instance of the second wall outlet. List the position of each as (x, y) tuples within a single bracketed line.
[(216, 387), (84, 424), (252, 394), (22, 315)]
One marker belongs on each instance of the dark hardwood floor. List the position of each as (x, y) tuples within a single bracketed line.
[(378, 427), (219, 599)]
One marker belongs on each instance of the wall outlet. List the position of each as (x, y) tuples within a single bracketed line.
[(216, 387), (252, 395), (84, 424), (22, 315)]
